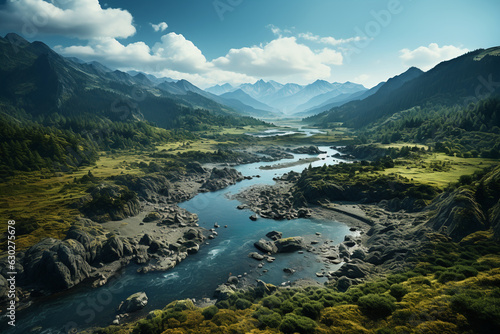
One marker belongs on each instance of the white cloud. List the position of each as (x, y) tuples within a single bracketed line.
[(426, 57), (328, 40), (282, 57), (174, 56), (278, 31), (180, 54), (174, 52), (162, 26), (77, 18)]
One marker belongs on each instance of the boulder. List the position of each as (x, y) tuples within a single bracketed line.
[(358, 254), (133, 303), (233, 280), (112, 250), (266, 246), (146, 240), (343, 284), (256, 256), (289, 244), (354, 269), (193, 234), (56, 264), (151, 217), (274, 235), (223, 292)]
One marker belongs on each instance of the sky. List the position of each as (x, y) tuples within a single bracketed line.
[(210, 42)]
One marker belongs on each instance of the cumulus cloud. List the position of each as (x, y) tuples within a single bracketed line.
[(162, 26), (281, 57), (174, 52), (177, 57), (83, 19), (328, 40), (180, 54), (426, 57)]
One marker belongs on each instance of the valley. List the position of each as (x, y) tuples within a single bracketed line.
[(247, 209)]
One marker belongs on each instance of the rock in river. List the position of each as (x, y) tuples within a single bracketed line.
[(133, 303), (266, 246), (289, 244)]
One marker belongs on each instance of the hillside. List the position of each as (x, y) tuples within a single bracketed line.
[(458, 81), (57, 112)]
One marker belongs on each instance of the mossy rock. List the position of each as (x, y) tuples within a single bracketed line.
[(151, 217)]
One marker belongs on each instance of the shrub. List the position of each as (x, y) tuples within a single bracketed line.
[(287, 307), (271, 302), (209, 312), (272, 320), (312, 310), (483, 313), (377, 306), (398, 291), (292, 323), (467, 271), (448, 276), (242, 304)]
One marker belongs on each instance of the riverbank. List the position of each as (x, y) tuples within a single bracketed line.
[(381, 242)]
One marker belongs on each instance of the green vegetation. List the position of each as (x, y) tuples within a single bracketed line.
[(469, 132), (415, 301), (359, 181)]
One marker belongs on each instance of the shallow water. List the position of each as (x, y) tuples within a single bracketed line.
[(198, 275)]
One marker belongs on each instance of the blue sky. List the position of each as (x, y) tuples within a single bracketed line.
[(217, 41)]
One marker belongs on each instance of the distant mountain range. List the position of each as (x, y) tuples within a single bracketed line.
[(289, 98), (460, 81)]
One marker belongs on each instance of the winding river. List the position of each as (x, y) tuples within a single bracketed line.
[(198, 275)]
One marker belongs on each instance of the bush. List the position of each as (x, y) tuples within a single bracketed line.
[(483, 312), (398, 291), (312, 310), (448, 276), (292, 323), (242, 304), (467, 271), (209, 312), (287, 307), (272, 320), (377, 306), (271, 302)]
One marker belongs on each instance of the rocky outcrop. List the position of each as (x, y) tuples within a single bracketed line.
[(91, 252), (224, 291), (458, 214), (57, 264), (291, 244), (109, 202), (286, 245), (273, 202), (276, 153), (274, 235), (312, 150), (221, 178), (133, 303), (173, 216)]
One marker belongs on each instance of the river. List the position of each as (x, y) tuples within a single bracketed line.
[(198, 275)]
